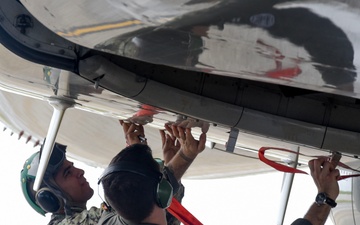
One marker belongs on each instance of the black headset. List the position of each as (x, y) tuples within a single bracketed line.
[(48, 200), (164, 190)]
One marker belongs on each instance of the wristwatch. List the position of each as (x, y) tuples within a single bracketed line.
[(322, 199)]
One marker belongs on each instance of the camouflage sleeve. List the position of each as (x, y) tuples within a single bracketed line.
[(169, 175), (110, 217), (171, 220), (86, 217)]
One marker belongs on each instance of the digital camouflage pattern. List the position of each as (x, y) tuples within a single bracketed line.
[(171, 220), (92, 216), (86, 217)]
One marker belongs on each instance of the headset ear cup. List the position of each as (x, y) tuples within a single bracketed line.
[(164, 194), (48, 200)]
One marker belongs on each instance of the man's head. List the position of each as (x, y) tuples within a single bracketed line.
[(63, 183), (133, 184), (71, 181)]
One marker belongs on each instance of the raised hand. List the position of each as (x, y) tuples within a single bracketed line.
[(134, 134), (190, 147), (170, 144), (325, 176)]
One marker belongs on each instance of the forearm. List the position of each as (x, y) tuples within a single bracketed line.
[(317, 214), (180, 163)]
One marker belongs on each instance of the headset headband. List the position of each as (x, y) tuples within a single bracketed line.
[(133, 168)]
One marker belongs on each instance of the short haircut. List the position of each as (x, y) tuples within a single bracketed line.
[(130, 194)]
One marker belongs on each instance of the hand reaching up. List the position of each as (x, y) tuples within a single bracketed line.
[(189, 146), (170, 144), (134, 134)]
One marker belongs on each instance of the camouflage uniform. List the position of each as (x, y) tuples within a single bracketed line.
[(171, 220), (85, 217), (99, 216), (95, 215), (111, 218), (56, 219)]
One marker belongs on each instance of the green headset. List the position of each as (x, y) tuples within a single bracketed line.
[(45, 199), (164, 190)]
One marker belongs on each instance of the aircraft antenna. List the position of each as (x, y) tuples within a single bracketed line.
[(286, 186), (59, 105)]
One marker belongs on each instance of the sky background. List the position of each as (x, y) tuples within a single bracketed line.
[(242, 200)]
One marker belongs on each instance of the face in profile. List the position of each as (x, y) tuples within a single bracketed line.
[(71, 180)]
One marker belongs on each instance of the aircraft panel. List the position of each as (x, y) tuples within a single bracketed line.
[(306, 44), (250, 73)]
